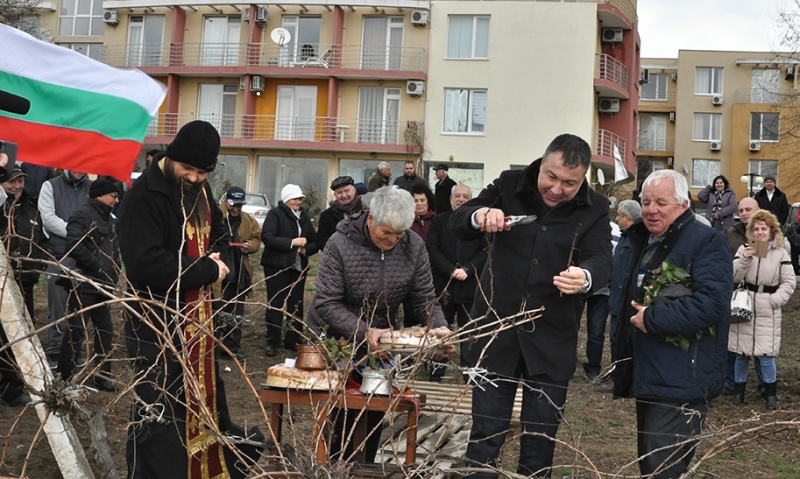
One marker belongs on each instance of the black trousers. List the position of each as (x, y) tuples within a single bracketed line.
[(230, 335), (664, 436), (542, 408), (100, 317), (285, 288), (11, 385)]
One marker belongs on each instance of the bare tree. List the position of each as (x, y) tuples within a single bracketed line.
[(23, 15)]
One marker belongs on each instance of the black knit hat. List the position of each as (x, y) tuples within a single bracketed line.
[(196, 144), (102, 186)]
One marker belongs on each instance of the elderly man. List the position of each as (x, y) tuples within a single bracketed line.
[(345, 202), (456, 264), (443, 188), (381, 177), (678, 343), (245, 240), (548, 262), (171, 237), (409, 179), (772, 199)]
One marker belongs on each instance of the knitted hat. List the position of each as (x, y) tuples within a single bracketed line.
[(235, 196), (102, 186), (361, 189), (196, 144), (290, 192)]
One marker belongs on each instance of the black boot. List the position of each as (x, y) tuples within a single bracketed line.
[(771, 393), (738, 394)]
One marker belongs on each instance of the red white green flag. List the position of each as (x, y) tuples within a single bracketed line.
[(84, 115)]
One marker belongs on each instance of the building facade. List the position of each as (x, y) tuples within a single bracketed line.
[(708, 113), (302, 92)]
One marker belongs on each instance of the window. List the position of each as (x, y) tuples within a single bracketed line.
[(703, 171), (230, 170), (81, 18), (91, 50), (764, 126), (708, 81), (652, 133), (221, 40), (382, 43), (145, 40), (464, 111), (645, 167), (217, 105), (707, 127), (765, 85), (296, 112), (656, 88), (304, 31), (764, 168), (468, 36), (274, 172), (379, 115), (362, 170)]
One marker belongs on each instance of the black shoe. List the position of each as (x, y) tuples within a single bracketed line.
[(239, 357), (270, 351), (22, 400), (104, 383)]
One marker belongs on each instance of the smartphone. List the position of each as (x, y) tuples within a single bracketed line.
[(10, 149)]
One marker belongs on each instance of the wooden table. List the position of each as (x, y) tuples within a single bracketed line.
[(277, 398)]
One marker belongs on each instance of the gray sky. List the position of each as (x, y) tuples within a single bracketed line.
[(667, 26)]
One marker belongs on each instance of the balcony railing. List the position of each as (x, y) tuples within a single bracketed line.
[(606, 141), (273, 128), (765, 97), (655, 144), (614, 71), (355, 57)]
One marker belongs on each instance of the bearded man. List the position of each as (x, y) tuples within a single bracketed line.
[(171, 238)]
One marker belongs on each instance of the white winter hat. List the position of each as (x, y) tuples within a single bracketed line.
[(290, 192)]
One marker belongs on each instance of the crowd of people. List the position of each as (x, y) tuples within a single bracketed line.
[(397, 254)]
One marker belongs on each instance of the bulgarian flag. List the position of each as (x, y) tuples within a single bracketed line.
[(84, 115)]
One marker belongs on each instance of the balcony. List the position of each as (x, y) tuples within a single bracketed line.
[(763, 96), (655, 144), (604, 149), (313, 59), (270, 131), (612, 77)]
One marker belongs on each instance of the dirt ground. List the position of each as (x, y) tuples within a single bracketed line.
[(597, 437)]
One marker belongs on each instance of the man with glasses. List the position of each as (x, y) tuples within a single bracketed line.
[(676, 342), (345, 203), (550, 262)]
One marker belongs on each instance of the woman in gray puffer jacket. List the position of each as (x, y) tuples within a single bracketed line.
[(770, 281), (368, 267)]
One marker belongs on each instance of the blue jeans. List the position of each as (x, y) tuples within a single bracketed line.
[(596, 317), (491, 415), (769, 373)]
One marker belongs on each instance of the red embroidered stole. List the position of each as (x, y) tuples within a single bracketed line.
[(206, 460)]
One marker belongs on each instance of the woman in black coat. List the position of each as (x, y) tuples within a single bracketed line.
[(289, 239)]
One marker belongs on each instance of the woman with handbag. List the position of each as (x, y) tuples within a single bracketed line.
[(770, 281)]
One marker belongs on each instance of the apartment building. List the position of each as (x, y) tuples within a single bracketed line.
[(708, 113), (304, 91)]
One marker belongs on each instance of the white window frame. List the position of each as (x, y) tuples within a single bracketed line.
[(700, 178), (374, 102), (478, 30), (708, 80), (759, 126), (216, 104), (763, 168), (652, 132), (92, 17), (91, 50), (659, 82), (145, 40), (293, 53), (471, 111), (222, 51), (765, 85), (710, 132)]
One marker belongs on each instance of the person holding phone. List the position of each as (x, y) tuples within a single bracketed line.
[(770, 278)]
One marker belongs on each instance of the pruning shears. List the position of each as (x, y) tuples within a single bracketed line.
[(514, 220)]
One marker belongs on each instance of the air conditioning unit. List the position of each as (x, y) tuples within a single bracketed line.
[(608, 105), (670, 160), (419, 18), (415, 87), (715, 145), (644, 76), (672, 116), (262, 15), (241, 83), (257, 84), (111, 17), (716, 100), (611, 35), (755, 145), (674, 76)]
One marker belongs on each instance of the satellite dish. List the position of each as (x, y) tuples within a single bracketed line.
[(281, 36), (601, 177)]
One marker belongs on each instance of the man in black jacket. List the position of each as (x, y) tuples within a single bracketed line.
[(550, 263), (409, 178), (443, 188), (772, 199), (345, 202)]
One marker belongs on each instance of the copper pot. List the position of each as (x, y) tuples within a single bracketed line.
[(310, 357)]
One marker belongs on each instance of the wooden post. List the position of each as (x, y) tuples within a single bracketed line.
[(35, 371)]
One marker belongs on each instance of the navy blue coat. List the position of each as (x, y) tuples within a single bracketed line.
[(661, 370)]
